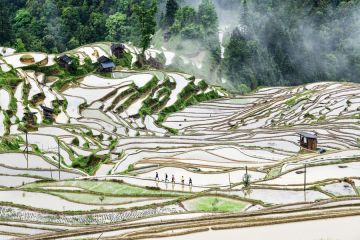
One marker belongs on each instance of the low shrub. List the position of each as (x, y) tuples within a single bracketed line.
[(153, 188), (309, 115), (88, 164)]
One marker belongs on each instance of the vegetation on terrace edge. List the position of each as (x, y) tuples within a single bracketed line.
[(110, 188), (152, 104), (77, 71), (277, 42)]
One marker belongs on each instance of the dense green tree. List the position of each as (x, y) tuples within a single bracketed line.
[(19, 45), (146, 15), (244, 15), (6, 33), (71, 19), (207, 16), (171, 9), (52, 36), (96, 24), (22, 19), (208, 20), (238, 59), (184, 17), (117, 27), (73, 43)]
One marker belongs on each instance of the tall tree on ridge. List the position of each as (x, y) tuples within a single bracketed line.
[(238, 62), (117, 27), (5, 25), (171, 9), (146, 15), (244, 16), (208, 17)]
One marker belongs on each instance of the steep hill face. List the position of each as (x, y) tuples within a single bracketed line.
[(101, 106), (79, 147)]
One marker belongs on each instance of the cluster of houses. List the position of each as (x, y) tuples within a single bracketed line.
[(30, 117), (105, 63), (65, 61)]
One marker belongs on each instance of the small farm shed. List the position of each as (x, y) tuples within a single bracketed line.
[(106, 65), (308, 140), (29, 117), (48, 112), (65, 61), (117, 49)]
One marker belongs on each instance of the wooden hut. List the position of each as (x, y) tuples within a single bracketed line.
[(29, 118), (105, 64), (48, 112), (308, 141), (117, 49), (65, 61)]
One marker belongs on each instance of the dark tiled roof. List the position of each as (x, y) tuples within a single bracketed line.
[(103, 59), (30, 113), (115, 46), (47, 109), (65, 58), (308, 135)]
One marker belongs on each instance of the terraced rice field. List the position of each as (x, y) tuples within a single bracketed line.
[(93, 169)]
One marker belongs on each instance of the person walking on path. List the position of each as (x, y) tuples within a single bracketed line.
[(182, 180), (166, 177), (173, 179), (190, 182), (157, 176)]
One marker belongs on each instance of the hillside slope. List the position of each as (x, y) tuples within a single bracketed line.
[(111, 134), (94, 108)]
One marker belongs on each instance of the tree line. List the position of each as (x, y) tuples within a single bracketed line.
[(294, 42), (275, 43), (59, 25)]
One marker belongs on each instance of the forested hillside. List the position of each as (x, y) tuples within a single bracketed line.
[(58, 25), (294, 42), (261, 42)]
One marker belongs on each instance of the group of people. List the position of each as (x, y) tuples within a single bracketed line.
[(172, 179)]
